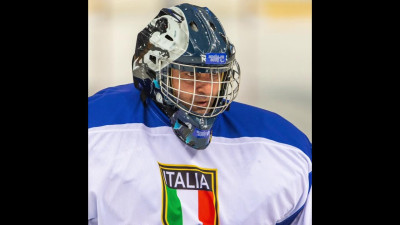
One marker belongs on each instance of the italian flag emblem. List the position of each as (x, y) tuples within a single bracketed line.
[(189, 195)]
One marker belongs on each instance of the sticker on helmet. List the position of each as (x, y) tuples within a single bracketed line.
[(215, 58), (156, 84), (201, 133), (159, 97)]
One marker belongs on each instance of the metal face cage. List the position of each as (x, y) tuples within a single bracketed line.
[(200, 91)]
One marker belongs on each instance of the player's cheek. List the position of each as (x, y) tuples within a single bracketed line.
[(216, 88)]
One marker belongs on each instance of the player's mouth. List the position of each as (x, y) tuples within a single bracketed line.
[(202, 103)]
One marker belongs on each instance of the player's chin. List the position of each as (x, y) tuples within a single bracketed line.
[(200, 111)]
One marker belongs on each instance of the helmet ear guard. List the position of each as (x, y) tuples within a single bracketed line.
[(187, 38)]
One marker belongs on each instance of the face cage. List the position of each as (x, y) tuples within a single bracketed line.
[(227, 80)]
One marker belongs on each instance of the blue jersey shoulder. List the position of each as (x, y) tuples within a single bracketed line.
[(119, 105), (248, 121)]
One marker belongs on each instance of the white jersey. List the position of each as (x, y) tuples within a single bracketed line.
[(256, 170)]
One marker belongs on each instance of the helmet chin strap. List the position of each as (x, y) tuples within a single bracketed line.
[(193, 130)]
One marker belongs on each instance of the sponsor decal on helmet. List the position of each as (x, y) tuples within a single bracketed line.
[(215, 58)]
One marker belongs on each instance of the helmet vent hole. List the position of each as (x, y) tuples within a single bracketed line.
[(169, 37), (152, 58), (193, 26), (212, 26)]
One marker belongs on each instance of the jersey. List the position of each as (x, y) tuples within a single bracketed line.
[(256, 170)]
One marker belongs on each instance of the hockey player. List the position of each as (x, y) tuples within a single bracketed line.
[(175, 148)]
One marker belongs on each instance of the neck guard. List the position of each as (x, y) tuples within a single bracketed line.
[(194, 131)]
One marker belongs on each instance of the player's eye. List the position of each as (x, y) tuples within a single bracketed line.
[(190, 74)]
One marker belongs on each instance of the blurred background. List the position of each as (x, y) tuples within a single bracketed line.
[(272, 40)]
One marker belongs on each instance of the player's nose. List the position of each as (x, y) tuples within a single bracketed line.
[(203, 84)]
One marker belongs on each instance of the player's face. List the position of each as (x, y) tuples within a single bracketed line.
[(204, 94)]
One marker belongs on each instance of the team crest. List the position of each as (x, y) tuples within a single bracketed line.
[(189, 195)]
